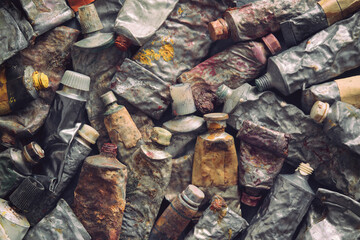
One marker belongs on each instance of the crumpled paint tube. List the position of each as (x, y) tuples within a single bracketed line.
[(102, 180), (218, 222), (237, 64), (262, 17), (64, 119), (346, 90), (16, 164), (262, 154), (14, 225), (177, 215), (331, 215), (19, 86), (141, 88), (185, 127), (341, 123), (149, 176), (284, 207), (108, 11), (16, 32), (322, 15), (46, 14), (325, 55), (74, 155), (60, 223), (137, 27), (308, 143)]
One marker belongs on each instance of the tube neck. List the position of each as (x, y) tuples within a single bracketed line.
[(264, 82), (216, 126), (224, 92)]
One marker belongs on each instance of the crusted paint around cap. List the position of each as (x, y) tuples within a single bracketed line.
[(33, 153), (89, 133), (40, 80), (319, 111), (218, 29), (216, 116), (161, 136)]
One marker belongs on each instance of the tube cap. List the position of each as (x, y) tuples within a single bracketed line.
[(183, 101), (216, 116), (305, 169), (122, 43), (272, 43), (33, 153), (161, 136), (218, 29), (40, 80), (88, 133), (319, 111), (193, 195), (108, 98), (76, 80), (75, 4), (109, 148), (26, 194), (89, 19), (249, 200)]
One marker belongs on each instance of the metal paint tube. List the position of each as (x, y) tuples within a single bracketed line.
[(184, 127), (262, 17), (16, 164), (19, 86), (218, 222), (141, 88), (46, 14), (60, 223), (74, 155), (139, 26), (324, 14), (16, 32), (335, 166), (331, 215), (262, 154), (286, 205), (177, 215), (13, 224), (234, 66), (102, 179), (108, 11), (66, 115), (215, 160), (340, 123), (346, 90), (325, 55), (182, 41), (149, 176)]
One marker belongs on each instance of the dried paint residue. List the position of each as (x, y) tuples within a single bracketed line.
[(166, 52)]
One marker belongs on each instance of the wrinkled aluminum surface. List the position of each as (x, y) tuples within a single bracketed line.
[(325, 55), (234, 66), (182, 41), (262, 154), (141, 88), (263, 17), (296, 29), (74, 157), (180, 175), (282, 210), (61, 223), (63, 121), (331, 216), (218, 222), (108, 11), (342, 125), (139, 26), (10, 176), (100, 66), (149, 176), (325, 92), (336, 166), (46, 14), (15, 31)]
